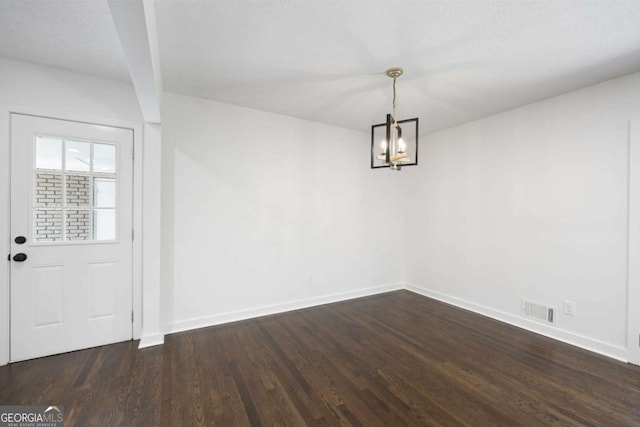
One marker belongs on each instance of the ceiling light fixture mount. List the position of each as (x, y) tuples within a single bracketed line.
[(395, 72), (398, 139)]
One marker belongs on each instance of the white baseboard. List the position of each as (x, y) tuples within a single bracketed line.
[(151, 340), (605, 349), (218, 319)]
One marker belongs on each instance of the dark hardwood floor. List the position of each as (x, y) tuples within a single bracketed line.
[(397, 359)]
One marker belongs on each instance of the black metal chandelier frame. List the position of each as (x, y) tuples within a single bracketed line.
[(394, 160)]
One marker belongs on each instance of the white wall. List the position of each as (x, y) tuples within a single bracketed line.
[(152, 237), (633, 275), (32, 85), (530, 203), (254, 203), (49, 91)]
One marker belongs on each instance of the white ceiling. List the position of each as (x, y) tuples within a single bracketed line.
[(324, 60), (70, 34)]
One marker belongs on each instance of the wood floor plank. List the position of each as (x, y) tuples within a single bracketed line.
[(396, 359)]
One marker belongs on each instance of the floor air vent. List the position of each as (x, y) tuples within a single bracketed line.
[(540, 312)]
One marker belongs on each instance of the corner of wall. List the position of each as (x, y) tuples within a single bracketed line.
[(151, 340), (217, 319), (151, 235), (605, 349), (633, 250)]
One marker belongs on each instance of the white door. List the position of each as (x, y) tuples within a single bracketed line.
[(71, 218)]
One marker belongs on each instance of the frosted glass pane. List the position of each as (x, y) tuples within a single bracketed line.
[(104, 224), (78, 156), (104, 158), (104, 193), (48, 153)]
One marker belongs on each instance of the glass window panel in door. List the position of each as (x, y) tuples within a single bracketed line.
[(104, 192), (78, 224), (78, 156), (47, 225), (104, 224), (104, 158), (48, 153), (78, 190), (47, 191)]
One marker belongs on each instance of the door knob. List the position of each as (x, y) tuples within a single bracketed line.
[(20, 257), (20, 240)]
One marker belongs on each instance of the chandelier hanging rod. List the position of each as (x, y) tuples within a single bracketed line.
[(394, 73)]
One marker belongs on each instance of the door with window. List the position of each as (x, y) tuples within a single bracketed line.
[(71, 231)]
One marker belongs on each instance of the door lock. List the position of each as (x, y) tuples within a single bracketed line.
[(20, 257)]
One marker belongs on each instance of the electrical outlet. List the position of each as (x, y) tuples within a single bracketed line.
[(311, 279), (569, 308)]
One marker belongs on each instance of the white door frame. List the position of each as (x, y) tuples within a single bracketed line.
[(5, 192), (633, 262)]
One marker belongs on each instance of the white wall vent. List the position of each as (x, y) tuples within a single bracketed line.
[(540, 312)]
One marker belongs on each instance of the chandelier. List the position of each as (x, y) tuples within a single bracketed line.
[(394, 144)]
